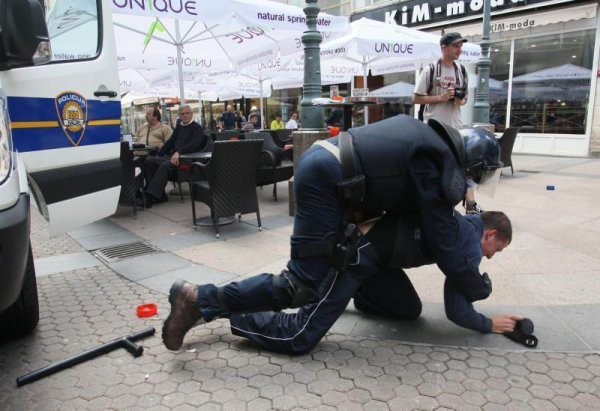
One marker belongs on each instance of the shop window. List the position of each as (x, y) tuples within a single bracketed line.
[(395, 93), (498, 86), (551, 83)]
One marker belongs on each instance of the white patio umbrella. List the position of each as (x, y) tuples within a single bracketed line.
[(398, 89), (563, 72), (192, 46)]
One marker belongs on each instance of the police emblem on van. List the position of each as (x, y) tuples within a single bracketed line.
[(71, 108)]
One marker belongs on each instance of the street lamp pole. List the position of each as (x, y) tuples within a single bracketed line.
[(312, 116), (481, 109)]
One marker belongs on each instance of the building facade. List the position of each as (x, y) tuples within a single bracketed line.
[(544, 64)]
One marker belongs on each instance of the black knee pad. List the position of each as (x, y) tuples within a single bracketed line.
[(290, 292)]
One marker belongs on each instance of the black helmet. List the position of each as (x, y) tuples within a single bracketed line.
[(482, 153)]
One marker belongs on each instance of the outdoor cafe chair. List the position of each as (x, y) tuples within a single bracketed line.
[(132, 178), (229, 186), (281, 137), (507, 142), (182, 174), (271, 169)]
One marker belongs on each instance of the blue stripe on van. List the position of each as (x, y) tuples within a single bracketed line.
[(24, 109)]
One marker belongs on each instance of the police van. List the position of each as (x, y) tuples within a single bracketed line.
[(59, 134)]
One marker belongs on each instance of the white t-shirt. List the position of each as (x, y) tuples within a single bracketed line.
[(446, 112), (291, 124)]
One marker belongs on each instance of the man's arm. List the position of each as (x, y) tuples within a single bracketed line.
[(442, 98), (421, 95), (196, 143), (461, 312), (169, 144), (441, 230)]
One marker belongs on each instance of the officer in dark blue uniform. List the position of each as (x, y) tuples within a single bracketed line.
[(397, 166), (390, 292)]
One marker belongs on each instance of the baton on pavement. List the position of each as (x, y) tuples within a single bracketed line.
[(125, 342)]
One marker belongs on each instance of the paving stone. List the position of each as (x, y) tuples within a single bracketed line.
[(84, 307)]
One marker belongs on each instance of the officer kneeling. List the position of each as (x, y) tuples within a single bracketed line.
[(397, 167)]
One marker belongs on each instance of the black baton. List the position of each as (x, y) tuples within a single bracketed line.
[(125, 342)]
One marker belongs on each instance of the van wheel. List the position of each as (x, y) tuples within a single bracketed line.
[(22, 317)]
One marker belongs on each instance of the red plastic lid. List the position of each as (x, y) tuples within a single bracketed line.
[(146, 310)]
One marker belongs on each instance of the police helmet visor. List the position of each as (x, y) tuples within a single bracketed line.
[(488, 181)]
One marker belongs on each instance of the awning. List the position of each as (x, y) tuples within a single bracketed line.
[(498, 24)]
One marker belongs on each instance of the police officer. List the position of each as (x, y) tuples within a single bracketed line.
[(391, 293), (397, 166)]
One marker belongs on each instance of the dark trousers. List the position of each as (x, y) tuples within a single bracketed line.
[(389, 293), (251, 304), (157, 171)]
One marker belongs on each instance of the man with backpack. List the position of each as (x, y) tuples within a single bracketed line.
[(442, 88), (441, 91)]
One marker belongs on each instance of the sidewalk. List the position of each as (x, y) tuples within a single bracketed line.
[(550, 273)]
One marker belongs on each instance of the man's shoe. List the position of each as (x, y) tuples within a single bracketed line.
[(473, 208), (183, 316)]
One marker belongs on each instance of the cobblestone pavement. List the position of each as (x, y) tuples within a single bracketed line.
[(41, 243), (216, 370), (88, 306)]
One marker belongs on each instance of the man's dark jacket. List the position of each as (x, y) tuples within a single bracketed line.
[(185, 139)]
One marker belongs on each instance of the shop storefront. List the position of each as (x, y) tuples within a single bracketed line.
[(544, 66)]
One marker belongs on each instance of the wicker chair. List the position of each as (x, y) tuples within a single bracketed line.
[(228, 187), (281, 137), (507, 142), (130, 182), (270, 169), (182, 175), (228, 135)]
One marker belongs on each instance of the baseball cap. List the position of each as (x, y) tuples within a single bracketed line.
[(451, 38)]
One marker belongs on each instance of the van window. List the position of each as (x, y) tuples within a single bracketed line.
[(73, 29)]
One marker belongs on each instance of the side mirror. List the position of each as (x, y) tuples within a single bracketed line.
[(24, 37)]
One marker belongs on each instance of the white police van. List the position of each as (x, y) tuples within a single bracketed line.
[(60, 132)]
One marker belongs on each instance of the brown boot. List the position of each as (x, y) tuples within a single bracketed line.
[(184, 314)]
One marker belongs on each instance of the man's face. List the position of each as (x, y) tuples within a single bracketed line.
[(452, 50), (186, 115), (491, 243), (149, 116)]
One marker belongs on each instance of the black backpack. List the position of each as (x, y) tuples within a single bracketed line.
[(430, 87)]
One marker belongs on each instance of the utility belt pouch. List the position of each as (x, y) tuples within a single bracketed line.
[(345, 248)]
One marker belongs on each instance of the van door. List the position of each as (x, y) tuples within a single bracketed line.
[(65, 116)]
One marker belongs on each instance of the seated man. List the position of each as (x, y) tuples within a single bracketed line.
[(187, 137), (252, 124), (153, 133), (394, 246)]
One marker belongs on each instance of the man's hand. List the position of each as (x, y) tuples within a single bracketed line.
[(504, 323), (175, 159), (460, 102), (449, 94)]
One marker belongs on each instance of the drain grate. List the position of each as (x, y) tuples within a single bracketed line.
[(120, 252)]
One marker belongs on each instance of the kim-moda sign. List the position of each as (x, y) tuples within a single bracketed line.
[(422, 12)]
